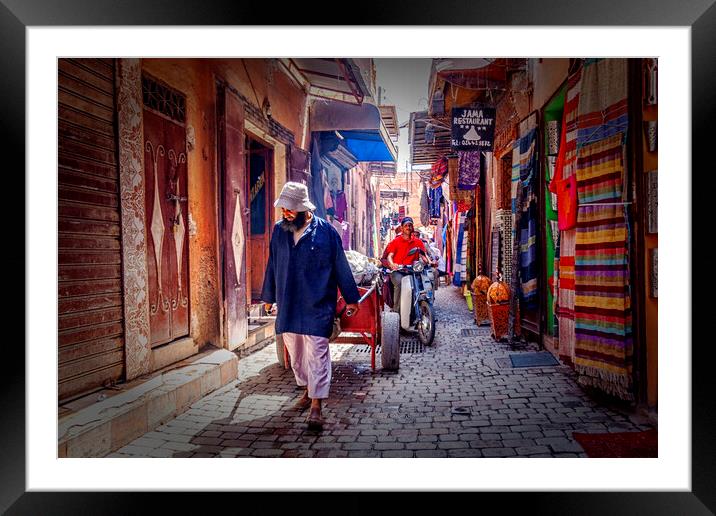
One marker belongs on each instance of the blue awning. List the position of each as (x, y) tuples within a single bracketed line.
[(366, 145), (360, 126)]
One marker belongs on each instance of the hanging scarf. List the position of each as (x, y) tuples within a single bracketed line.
[(439, 170), (468, 169)]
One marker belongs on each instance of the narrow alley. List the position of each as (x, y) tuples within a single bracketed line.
[(458, 398), (214, 212)]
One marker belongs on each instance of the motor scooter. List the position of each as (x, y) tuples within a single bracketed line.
[(416, 298)]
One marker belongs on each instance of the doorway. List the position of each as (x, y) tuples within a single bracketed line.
[(166, 207), (259, 164)]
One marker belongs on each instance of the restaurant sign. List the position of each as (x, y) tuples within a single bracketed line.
[(473, 128)]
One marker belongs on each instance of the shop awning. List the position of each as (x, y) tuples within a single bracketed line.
[(337, 78), (428, 141), (360, 128)]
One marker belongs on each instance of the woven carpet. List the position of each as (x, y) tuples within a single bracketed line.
[(565, 297), (619, 444), (602, 100), (602, 311)]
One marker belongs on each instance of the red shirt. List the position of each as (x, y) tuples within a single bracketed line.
[(400, 247)]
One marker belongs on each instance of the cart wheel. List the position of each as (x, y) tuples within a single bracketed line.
[(390, 340), (279, 350)]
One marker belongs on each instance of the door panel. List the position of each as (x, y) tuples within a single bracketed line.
[(260, 177), (235, 223), (167, 240)]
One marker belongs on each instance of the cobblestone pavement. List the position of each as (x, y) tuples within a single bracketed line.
[(458, 398)]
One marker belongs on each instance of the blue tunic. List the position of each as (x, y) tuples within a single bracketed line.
[(303, 279)]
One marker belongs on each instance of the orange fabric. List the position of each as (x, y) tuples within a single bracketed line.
[(401, 246)]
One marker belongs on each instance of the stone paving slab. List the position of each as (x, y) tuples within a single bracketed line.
[(454, 399)]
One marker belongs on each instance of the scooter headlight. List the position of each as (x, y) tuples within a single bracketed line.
[(418, 266)]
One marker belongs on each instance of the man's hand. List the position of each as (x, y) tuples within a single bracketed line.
[(352, 309), (394, 266)]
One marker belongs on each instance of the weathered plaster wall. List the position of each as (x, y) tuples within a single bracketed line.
[(547, 76), (255, 79)]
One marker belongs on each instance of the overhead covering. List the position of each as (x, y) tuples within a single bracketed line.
[(427, 150), (334, 77), (360, 128)]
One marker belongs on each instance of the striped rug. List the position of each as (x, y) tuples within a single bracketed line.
[(602, 306), (603, 110), (565, 297)]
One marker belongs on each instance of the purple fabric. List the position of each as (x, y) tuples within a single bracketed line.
[(468, 169), (311, 363), (341, 206)]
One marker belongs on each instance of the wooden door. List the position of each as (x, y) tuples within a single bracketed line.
[(167, 239), (259, 180), (234, 215)]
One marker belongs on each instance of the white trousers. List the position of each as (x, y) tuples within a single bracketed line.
[(311, 362)]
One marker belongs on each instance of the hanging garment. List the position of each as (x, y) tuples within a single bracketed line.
[(603, 110), (529, 215), (565, 309), (564, 188), (341, 206), (316, 182), (468, 169), (435, 196), (327, 198), (424, 205), (439, 170), (602, 311), (460, 252)]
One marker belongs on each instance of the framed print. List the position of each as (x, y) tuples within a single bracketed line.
[(387, 34)]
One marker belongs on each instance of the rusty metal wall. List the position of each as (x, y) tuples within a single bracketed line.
[(90, 315)]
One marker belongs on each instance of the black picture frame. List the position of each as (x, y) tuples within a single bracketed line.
[(17, 15)]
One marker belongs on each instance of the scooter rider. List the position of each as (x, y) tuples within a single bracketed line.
[(397, 256)]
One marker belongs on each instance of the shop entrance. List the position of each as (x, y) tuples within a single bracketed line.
[(165, 207), (259, 163)]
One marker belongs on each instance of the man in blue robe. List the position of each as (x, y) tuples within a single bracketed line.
[(306, 267)]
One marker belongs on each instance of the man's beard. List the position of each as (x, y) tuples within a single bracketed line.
[(295, 224)]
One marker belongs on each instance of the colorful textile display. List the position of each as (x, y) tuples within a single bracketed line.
[(459, 269), (529, 216), (603, 334), (439, 171), (468, 169), (565, 297), (564, 188), (341, 206), (603, 110), (600, 171), (434, 197), (424, 205)]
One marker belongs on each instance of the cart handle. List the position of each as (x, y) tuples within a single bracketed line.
[(365, 296)]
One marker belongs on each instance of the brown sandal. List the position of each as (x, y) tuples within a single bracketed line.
[(302, 404), (315, 421)]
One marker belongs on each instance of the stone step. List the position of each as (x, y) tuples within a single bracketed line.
[(104, 426)]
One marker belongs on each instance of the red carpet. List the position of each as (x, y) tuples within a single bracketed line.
[(619, 444)]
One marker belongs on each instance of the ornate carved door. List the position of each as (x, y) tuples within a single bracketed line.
[(235, 212), (166, 215)]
